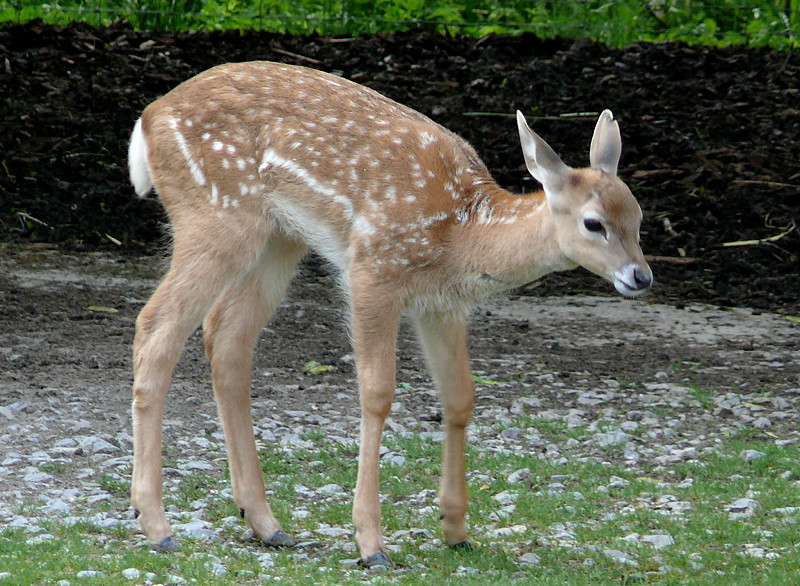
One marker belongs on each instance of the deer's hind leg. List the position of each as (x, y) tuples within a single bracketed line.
[(206, 260), (231, 331)]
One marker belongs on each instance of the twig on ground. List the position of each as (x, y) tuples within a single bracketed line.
[(788, 230), (26, 217), (675, 260), (296, 56), (769, 183), (565, 116)]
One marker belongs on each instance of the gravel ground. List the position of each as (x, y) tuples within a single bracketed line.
[(658, 384)]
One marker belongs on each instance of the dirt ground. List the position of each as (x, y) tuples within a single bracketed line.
[(710, 148), (66, 328)]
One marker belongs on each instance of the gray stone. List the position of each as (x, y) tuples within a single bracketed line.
[(333, 531), (762, 423), (36, 476), (529, 559), (518, 476), (620, 557), (607, 439), (131, 573), (658, 541), (96, 445), (197, 465), (505, 498), (217, 569), (741, 505), (617, 482), (751, 455), (56, 506), (511, 433)]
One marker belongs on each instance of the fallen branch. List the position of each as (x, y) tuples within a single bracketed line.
[(296, 56), (565, 116), (775, 238), (26, 217), (770, 183), (675, 260)]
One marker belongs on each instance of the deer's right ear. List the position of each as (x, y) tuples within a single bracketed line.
[(542, 161), (606, 146)]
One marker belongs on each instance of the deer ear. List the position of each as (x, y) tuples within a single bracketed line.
[(542, 161), (606, 144)]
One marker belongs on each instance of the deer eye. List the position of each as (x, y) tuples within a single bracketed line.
[(593, 225)]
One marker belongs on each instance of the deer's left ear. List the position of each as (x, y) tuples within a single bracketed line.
[(606, 144), (542, 161)]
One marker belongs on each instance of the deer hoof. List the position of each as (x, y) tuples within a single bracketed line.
[(280, 539), (166, 545), (462, 546), (375, 560)]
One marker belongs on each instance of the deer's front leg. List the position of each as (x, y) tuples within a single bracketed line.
[(374, 327), (444, 339)]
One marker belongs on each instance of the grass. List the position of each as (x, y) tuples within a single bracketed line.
[(774, 23), (565, 513)]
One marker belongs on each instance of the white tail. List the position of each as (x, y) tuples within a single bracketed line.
[(257, 162)]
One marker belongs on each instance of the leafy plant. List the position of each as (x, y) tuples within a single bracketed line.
[(615, 22)]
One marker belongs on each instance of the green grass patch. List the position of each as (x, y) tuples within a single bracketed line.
[(577, 516)]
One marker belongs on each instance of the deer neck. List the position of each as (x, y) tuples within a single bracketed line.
[(508, 240)]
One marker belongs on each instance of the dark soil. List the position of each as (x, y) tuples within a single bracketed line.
[(710, 136)]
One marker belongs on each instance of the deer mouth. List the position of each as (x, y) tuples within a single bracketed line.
[(632, 280)]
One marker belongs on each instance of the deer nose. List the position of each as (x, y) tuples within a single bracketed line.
[(643, 279)]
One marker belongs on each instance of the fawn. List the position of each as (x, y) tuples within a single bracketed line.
[(258, 162)]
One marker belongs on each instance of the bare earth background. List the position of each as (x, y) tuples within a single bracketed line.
[(66, 328)]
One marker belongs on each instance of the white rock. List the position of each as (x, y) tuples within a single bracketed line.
[(265, 560), (96, 445), (56, 506), (685, 454), (217, 569), (506, 531), (659, 541), (197, 465), (333, 531), (529, 559), (751, 455), (36, 476), (787, 510), (617, 482), (762, 423), (89, 574), (42, 537), (131, 573), (615, 437), (742, 504), (505, 497), (511, 433), (521, 475), (620, 557), (741, 509), (293, 440)]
